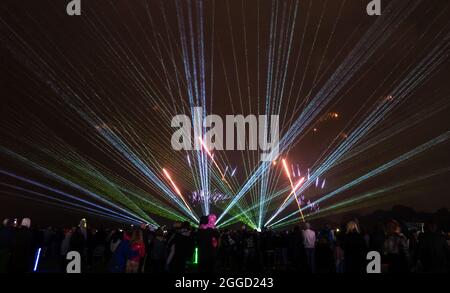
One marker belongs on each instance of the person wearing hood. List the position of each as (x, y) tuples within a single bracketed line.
[(6, 241), (23, 248)]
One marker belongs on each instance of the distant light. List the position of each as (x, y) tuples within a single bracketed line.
[(337, 230)]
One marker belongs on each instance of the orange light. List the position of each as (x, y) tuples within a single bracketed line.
[(176, 188), (288, 174), (294, 188)]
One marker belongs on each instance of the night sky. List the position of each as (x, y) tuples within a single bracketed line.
[(87, 101)]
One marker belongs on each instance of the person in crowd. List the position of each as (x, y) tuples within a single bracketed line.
[(377, 238), (158, 252), (309, 242), (297, 249), (100, 248), (433, 250), (234, 257), (324, 253), (151, 236), (6, 241), (268, 246), (65, 246), (181, 248), (354, 248), (115, 239), (284, 243), (122, 253), (55, 241), (250, 255), (277, 245), (207, 237), (146, 238), (339, 257), (327, 234), (77, 241), (78, 244), (47, 241), (396, 249), (366, 237), (137, 251), (83, 228), (413, 241), (23, 248), (238, 250), (225, 252), (91, 243)]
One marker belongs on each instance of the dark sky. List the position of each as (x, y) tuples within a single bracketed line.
[(120, 67)]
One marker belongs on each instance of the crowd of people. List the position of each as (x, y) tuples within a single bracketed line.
[(183, 248)]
